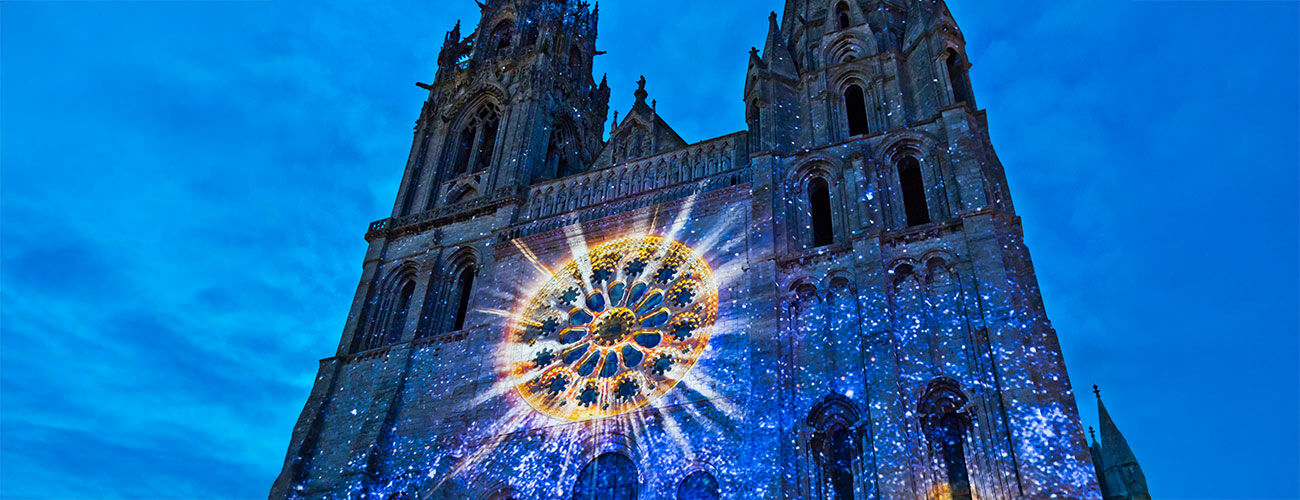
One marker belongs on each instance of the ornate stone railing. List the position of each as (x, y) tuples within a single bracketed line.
[(700, 167), (736, 177), (686, 165)]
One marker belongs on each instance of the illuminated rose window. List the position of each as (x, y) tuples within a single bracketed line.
[(614, 329)]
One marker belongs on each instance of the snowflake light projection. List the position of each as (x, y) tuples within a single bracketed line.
[(614, 329)]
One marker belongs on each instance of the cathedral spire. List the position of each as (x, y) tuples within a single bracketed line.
[(1121, 475)]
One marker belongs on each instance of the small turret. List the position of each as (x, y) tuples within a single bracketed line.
[(1120, 474)]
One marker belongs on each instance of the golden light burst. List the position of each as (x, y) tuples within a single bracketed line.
[(614, 329)]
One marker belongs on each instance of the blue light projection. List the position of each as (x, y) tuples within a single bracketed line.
[(633, 333)]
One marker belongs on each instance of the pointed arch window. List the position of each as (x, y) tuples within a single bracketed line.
[(501, 37), (609, 477), (755, 119), (842, 15), (913, 184), (397, 317), (819, 198), (530, 36), (835, 446), (383, 319), (562, 153), (417, 175), (957, 78), (700, 485), (855, 105), (464, 288), (477, 140)]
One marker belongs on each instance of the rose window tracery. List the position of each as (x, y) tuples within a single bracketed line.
[(614, 329)]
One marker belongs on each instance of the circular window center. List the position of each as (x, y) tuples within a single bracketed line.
[(615, 326)]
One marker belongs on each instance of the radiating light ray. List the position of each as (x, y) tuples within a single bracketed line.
[(674, 431), (532, 258), (683, 216), (577, 241), (704, 421), (516, 317), (704, 385), (507, 421)]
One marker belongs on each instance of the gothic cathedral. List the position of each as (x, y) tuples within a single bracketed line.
[(834, 303)]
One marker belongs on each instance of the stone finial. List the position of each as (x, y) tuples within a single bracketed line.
[(1092, 432), (1096, 390)]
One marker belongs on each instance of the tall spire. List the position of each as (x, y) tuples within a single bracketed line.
[(1121, 475)]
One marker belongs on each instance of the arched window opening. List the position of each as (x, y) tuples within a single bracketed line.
[(856, 105), (953, 444), (487, 143), (562, 153), (501, 35), (913, 184), (700, 485), (609, 477), (417, 174), (464, 287), (945, 424), (755, 119), (842, 15), (634, 146), (961, 91), (530, 36), (477, 140), (835, 447), (397, 317), (464, 149), (820, 198), (837, 461)]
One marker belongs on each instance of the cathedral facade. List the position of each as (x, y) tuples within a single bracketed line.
[(834, 303)]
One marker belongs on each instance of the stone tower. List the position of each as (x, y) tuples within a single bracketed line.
[(835, 303)]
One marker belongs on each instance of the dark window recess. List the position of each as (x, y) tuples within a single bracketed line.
[(464, 149), (417, 173), (465, 285), (502, 34), (699, 485), (840, 463), (954, 457), (856, 105), (961, 90), (909, 175), (398, 322), (820, 199), (842, 14), (530, 36), (487, 145), (609, 477)]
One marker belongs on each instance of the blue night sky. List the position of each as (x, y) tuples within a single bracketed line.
[(186, 185)]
